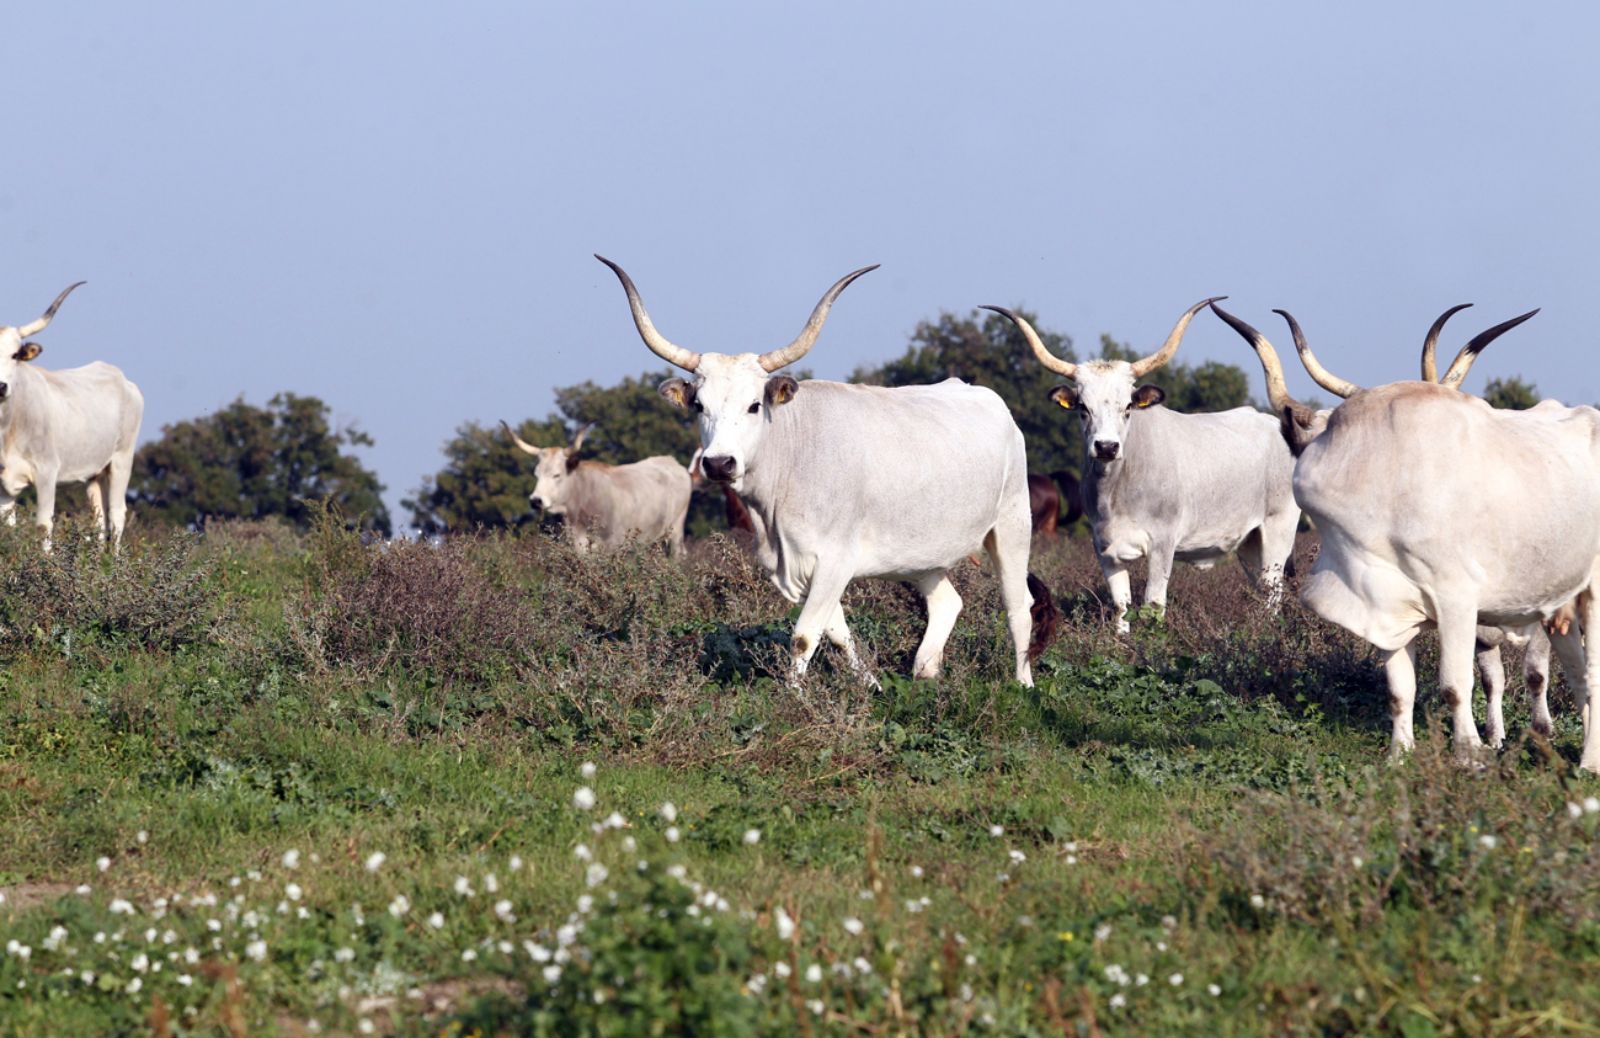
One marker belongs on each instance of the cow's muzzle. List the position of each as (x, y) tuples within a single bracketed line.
[(4, 389), (1107, 450), (537, 502), (722, 468)]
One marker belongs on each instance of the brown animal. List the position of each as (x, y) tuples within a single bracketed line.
[(740, 524), (1045, 501)]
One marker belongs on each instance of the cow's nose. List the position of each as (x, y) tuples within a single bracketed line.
[(4, 389), (537, 502), (719, 469), (1107, 450)]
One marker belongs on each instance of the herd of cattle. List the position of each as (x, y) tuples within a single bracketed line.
[(1433, 508)]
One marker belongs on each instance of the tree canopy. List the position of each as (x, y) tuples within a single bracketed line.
[(248, 462), (1511, 393)]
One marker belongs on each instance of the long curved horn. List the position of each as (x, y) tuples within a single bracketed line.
[(1168, 349), (1469, 353), (1277, 389), (1048, 359), (1319, 374), (581, 435), (38, 326), (1430, 369), (772, 360), (527, 447), (668, 351)]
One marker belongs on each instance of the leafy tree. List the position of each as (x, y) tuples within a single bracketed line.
[(486, 479), (252, 462), (1512, 393)]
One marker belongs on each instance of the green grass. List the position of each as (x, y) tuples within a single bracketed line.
[(1189, 832)]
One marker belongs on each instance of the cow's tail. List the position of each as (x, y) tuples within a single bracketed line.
[(1046, 618)]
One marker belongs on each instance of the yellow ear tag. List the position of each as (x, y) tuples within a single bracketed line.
[(1065, 402)]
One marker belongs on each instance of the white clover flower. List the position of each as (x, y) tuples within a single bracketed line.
[(784, 923), (583, 798), (18, 949), (515, 864), (256, 949), (552, 973), (502, 909), (87, 976), (100, 937), (582, 852), (102, 863), (1574, 810), (436, 920), (293, 891), (916, 872), (463, 886), (344, 954), (595, 874), (997, 830), (853, 925), (672, 834), (1257, 901), (585, 904), (1141, 979), (536, 952), (1591, 805), (1102, 933), (669, 812), (491, 883), (1072, 859), (375, 861), (566, 934), (291, 859), (629, 845), (214, 925), (1488, 842), (469, 955), (135, 985), (677, 871), (142, 836), (752, 837), (587, 769), (82, 891), (1176, 980), (1118, 1000), (366, 1026), (140, 963), (191, 955), (614, 820), (814, 974), (53, 941), (399, 906), (1017, 857), (1213, 990), (1161, 946), (862, 966), (119, 906), (254, 875), (1117, 975)]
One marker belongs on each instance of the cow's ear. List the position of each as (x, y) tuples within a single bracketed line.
[(573, 461), (781, 390), (1148, 396), (678, 392), (27, 351), (1063, 395)]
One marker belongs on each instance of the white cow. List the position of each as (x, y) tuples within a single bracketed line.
[(1162, 485), (608, 504), (847, 481), (1436, 509), (74, 426)]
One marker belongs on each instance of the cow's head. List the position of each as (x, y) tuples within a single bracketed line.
[(733, 395), (14, 347), (1105, 393), (553, 491)]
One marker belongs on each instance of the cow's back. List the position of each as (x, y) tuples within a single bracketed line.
[(644, 499), (78, 417)]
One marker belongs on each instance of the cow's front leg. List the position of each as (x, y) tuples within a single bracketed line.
[(1160, 573), (816, 614), (1401, 670), (1121, 588), (45, 486), (1458, 636), (837, 631), (8, 508)]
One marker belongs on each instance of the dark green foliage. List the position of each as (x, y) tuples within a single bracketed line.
[(1512, 393), (248, 462)]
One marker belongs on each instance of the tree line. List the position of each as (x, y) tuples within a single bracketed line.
[(285, 458)]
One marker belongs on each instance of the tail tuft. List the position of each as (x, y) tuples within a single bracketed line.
[(1046, 618)]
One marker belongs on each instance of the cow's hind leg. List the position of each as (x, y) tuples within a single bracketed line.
[(1401, 671), (95, 490), (45, 487), (117, 475), (1008, 545), (1589, 616), (1536, 674), (944, 605), (1492, 671), (1458, 636)]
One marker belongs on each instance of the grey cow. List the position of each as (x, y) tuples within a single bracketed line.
[(847, 481), (608, 504), (1163, 486)]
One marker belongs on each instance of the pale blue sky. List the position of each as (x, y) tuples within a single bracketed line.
[(393, 206)]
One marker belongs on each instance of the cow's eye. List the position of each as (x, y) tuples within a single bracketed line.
[(698, 406), (755, 408)]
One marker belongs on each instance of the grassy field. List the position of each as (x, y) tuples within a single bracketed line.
[(255, 783)]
